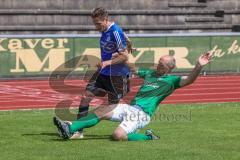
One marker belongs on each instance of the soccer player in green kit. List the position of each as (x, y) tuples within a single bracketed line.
[(158, 84)]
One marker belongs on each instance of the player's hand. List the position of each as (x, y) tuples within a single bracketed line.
[(106, 63), (204, 59), (115, 55), (99, 65), (103, 64), (130, 47)]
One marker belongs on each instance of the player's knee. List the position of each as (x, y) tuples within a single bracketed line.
[(87, 96), (119, 136)]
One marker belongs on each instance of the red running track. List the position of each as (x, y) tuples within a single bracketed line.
[(23, 94)]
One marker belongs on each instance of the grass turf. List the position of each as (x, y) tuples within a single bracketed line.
[(196, 131)]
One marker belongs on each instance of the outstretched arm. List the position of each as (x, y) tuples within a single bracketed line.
[(203, 60)]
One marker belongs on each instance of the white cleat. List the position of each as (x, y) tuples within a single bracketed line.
[(77, 135)]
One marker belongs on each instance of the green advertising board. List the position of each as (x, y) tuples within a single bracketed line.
[(40, 56)]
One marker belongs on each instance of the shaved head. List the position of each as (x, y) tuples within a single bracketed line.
[(169, 61), (166, 64)]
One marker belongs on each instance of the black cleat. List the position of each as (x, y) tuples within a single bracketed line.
[(63, 127)]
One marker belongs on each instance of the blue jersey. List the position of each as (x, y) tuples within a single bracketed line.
[(113, 41)]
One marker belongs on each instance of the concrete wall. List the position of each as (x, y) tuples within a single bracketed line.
[(136, 16)]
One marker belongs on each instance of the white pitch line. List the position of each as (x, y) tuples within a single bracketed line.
[(84, 85), (44, 85), (193, 85), (45, 107), (212, 88), (41, 100), (207, 99), (217, 80), (192, 94), (197, 89), (69, 82), (216, 84), (46, 81), (67, 96), (76, 101), (21, 108)]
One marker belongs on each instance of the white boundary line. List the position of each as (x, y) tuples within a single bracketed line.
[(207, 99), (130, 35), (76, 81), (74, 107), (52, 99)]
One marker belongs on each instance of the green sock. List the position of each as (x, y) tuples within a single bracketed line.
[(138, 137), (84, 122)]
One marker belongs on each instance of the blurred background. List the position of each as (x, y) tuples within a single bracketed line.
[(135, 16)]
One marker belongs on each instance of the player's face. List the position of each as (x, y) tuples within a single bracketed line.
[(163, 68), (100, 24)]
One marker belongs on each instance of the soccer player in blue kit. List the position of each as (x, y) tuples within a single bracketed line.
[(112, 78)]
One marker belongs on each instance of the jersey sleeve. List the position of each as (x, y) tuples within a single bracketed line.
[(142, 72), (176, 81), (119, 40)]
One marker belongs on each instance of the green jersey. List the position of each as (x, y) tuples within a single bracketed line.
[(154, 90)]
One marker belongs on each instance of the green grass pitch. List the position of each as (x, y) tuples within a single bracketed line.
[(188, 132)]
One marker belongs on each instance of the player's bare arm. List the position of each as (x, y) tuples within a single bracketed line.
[(203, 60), (121, 57)]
